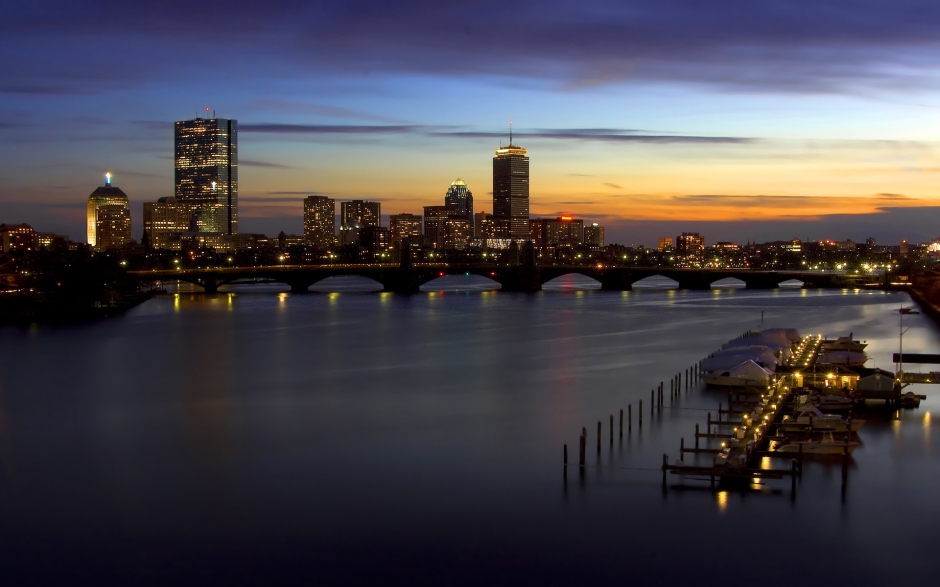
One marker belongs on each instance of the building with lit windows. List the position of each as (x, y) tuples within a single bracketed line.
[(435, 217), (319, 221), (690, 247), (361, 212), (457, 232), (553, 232), (404, 226), (164, 218), (665, 244), (108, 217), (511, 191), (206, 162), (18, 237), (594, 235)]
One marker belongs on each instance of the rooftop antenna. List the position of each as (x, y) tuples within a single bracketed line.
[(510, 133)]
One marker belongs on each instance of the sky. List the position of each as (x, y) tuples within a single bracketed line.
[(739, 119)]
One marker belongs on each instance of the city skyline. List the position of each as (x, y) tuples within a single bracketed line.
[(735, 131)]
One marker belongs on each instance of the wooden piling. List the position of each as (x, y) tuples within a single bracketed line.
[(621, 422), (566, 455), (611, 429), (681, 448), (598, 437), (640, 413), (581, 450), (630, 417), (696, 435)]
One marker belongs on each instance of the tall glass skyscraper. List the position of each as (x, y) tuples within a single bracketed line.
[(206, 158), (511, 191), (459, 199)]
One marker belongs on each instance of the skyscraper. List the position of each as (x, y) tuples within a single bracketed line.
[(206, 161), (402, 226), (511, 191), (594, 235), (459, 199), (363, 213), (319, 221), (108, 217)]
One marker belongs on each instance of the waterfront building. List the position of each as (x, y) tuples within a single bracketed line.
[(459, 200), (206, 162), (319, 221), (404, 226), (594, 235), (163, 218), (435, 217), (560, 231), (361, 212), (108, 217), (511, 191), (18, 237), (458, 231), (665, 244), (691, 246)]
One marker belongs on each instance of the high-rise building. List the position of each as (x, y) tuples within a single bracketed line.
[(319, 221), (511, 191), (108, 217), (360, 212), (206, 160), (594, 235), (374, 238), (435, 218), (402, 226), (164, 218), (459, 199), (665, 244)]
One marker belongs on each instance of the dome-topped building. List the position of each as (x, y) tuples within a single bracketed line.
[(108, 217), (459, 199)]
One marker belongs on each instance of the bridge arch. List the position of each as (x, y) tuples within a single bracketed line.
[(348, 283), (571, 281), (728, 283), (460, 281), (656, 281)]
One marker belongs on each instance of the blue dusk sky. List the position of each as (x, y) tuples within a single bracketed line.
[(741, 120)]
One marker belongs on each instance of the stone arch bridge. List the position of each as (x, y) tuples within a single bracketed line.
[(408, 279)]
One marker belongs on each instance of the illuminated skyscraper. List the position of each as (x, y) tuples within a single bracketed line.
[(164, 218), (459, 200), (402, 226), (319, 221), (511, 191), (435, 219), (363, 213), (206, 159), (108, 217), (594, 235)]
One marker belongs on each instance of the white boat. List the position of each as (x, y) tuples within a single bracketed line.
[(810, 414), (746, 374), (845, 343), (827, 446)]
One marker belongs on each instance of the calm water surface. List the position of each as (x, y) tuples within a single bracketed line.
[(258, 437)]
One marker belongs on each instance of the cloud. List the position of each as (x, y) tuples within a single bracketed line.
[(250, 163), (785, 46), (360, 129), (612, 185), (319, 109)]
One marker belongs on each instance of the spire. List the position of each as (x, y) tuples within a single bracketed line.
[(510, 133), (107, 179)]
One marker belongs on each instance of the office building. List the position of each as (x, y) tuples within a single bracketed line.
[(690, 248), (361, 213), (108, 217), (435, 217), (553, 232), (206, 161), (459, 200), (164, 218), (319, 221), (404, 226), (348, 234), (374, 238), (665, 244), (18, 237), (594, 235), (511, 191)]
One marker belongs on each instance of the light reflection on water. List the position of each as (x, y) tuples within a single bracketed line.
[(381, 432)]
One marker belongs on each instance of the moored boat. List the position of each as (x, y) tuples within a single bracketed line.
[(826, 446)]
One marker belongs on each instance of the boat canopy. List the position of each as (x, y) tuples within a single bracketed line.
[(729, 358), (751, 372)]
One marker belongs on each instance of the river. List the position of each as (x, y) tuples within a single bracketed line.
[(262, 437)]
